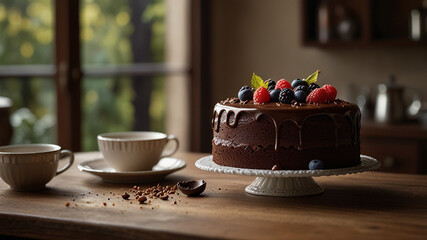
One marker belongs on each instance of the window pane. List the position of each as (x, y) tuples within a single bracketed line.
[(122, 32), (158, 105), (116, 33), (108, 106), (33, 115), (26, 35)]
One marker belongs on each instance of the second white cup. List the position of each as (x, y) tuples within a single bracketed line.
[(135, 151)]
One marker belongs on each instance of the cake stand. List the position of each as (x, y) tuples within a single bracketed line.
[(286, 183)]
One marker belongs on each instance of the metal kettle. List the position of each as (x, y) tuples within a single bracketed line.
[(391, 106)]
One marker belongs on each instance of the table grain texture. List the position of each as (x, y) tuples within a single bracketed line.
[(370, 205)]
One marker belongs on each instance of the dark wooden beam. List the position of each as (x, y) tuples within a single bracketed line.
[(201, 134), (68, 74)]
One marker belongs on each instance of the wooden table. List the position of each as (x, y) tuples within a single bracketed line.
[(360, 206)]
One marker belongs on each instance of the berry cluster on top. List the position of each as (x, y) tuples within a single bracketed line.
[(300, 91)]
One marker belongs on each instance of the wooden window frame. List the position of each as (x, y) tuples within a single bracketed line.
[(68, 74), (201, 134)]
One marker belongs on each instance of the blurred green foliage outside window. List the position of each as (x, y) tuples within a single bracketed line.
[(106, 28), (26, 37)]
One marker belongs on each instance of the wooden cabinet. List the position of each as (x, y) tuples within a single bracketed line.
[(394, 155), (331, 23), (399, 148)]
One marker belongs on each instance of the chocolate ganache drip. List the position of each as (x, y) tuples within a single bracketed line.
[(299, 116)]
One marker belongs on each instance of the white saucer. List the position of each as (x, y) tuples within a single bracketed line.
[(366, 164), (286, 183), (163, 168)]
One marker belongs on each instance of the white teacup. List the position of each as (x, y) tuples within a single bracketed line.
[(31, 166), (135, 151)]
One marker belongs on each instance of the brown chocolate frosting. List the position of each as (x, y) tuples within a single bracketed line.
[(295, 113)]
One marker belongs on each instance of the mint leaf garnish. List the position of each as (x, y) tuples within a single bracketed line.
[(257, 82), (312, 78)]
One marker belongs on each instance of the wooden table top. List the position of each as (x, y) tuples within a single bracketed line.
[(358, 206)]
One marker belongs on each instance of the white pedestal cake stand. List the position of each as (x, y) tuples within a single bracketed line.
[(286, 183)]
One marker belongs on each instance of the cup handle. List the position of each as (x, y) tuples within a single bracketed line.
[(65, 153), (171, 138)]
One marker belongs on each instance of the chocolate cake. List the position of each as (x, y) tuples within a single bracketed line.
[(285, 136)]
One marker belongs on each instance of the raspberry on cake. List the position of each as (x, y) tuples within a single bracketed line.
[(287, 134), (318, 95), (261, 95), (282, 83), (331, 92)]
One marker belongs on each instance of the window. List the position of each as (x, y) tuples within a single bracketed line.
[(75, 69)]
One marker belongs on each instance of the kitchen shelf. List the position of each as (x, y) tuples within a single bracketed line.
[(373, 23)]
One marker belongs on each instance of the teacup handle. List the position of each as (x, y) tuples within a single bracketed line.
[(65, 153), (171, 138)]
